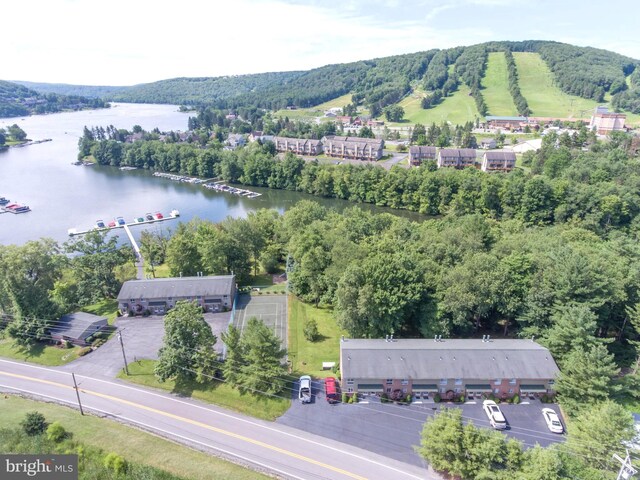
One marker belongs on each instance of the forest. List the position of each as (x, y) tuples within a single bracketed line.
[(17, 100)]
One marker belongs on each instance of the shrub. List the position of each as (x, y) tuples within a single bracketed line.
[(56, 432), (66, 344), (354, 398), (516, 399), (345, 398), (115, 462), (384, 398), (408, 399), (34, 423), (311, 330), (437, 398), (461, 399), (83, 351)]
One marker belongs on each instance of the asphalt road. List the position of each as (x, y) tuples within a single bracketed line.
[(287, 452)]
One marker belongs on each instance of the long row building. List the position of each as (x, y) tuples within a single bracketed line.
[(494, 161), (352, 148)]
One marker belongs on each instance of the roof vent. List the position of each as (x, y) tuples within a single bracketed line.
[(388, 358), (440, 358), (349, 357), (493, 358), (454, 358)]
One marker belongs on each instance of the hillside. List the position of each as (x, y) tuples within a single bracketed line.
[(17, 100), (89, 91), (562, 81)]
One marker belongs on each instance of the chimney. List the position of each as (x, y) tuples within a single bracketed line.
[(435, 338), (386, 338), (180, 274), (533, 337), (439, 338), (488, 338), (484, 338), (391, 338), (342, 338)]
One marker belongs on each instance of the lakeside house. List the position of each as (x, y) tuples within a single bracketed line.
[(498, 161), (449, 367), (77, 327), (456, 157), (299, 146), (604, 122), (235, 140), (353, 148), (158, 295), (488, 143), (419, 154)]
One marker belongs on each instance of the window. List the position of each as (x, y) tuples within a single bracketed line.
[(349, 381), (443, 390), (404, 381), (497, 381), (388, 390), (389, 381), (444, 381), (350, 390), (512, 381), (511, 390), (496, 391), (551, 383), (458, 381)]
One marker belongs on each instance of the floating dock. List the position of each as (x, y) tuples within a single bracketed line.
[(173, 215), (221, 187)]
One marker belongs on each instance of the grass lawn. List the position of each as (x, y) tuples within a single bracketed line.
[(496, 86), (217, 393), (300, 113), (131, 443), (544, 98), (307, 357), (40, 353), (161, 271), (457, 108), (105, 308)]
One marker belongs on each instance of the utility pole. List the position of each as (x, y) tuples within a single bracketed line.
[(626, 470), (124, 357), (75, 386)]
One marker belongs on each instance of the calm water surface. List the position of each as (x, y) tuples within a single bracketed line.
[(63, 196)]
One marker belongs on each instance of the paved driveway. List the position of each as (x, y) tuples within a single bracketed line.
[(142, 338), (394, 430)]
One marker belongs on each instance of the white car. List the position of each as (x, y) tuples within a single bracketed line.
[(304, 393), (496, 418), (553, 421)]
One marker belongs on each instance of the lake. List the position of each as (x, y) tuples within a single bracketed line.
[(63, 196)]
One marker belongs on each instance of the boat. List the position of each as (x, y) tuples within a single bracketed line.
[(100, 224), (120, 221), (148, 216), (139, 219), (4, 200), (158, 215), (16, 208), (174, 213), (112, 224)]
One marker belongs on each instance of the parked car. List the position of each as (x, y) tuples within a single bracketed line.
[(496, 418), (331, 390), (304, 392), (553, 421)]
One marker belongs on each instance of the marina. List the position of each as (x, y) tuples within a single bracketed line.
[(120, 222), (178, 178), (221, 187)]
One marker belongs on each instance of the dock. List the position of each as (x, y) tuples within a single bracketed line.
[(172, 216), (221, 187)]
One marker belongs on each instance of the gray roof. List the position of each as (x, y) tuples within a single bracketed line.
[(504, 155), (177, 287), (458, 152), (495, 117), (455, 358), (74, 325), (423, 150), (378, 143)]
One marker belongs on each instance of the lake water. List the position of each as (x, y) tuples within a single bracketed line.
[(63, 196)]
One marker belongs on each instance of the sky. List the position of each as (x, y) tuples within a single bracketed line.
[(127, 42)]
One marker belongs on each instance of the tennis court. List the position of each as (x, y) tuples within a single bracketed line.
[(271, 309)]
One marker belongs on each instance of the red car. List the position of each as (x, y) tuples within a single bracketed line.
[(331, 390)]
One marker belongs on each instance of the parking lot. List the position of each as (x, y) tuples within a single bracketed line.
[(142, 338), (394, 430), (271, 309)]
